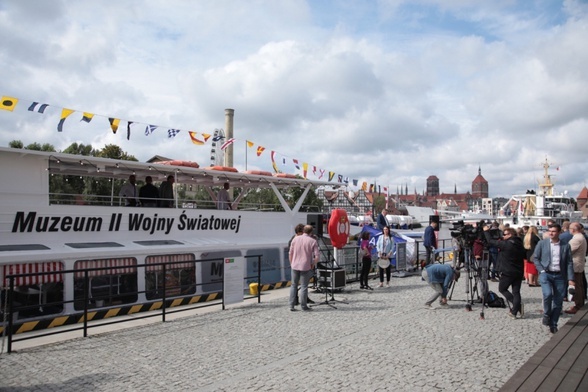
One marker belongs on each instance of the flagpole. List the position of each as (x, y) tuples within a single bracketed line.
[(245, 154)]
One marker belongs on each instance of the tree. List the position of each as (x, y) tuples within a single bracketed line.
[(80, 149), (115, 152), (33, 146), (16, 144), (379, 202)]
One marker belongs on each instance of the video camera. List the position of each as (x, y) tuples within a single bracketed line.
[(466, 234)]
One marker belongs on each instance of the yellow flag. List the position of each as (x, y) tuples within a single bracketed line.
[(250, 144), (114, 124), (64, 114), (8, 103)]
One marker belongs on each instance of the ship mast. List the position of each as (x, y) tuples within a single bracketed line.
[(546, 189)]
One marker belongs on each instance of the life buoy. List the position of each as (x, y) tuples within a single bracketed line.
[(339, 228), (223, 168), (180, 163), (259, 172), (284, 175)]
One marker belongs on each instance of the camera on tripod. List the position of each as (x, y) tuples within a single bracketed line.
[(465, 234)]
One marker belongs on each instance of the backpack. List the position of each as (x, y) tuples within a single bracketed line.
[(493, 300)]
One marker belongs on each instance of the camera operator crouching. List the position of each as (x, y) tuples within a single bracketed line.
[(511, 259)]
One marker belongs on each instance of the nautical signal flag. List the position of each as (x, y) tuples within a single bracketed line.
[(87, 117), (273, 158), (260, 150), (149, 129), (8, 103), (40, 109), (249, 144), (172, 132), (194, 139), (129, 130), (114, 124), (227, 143), (64, 114)]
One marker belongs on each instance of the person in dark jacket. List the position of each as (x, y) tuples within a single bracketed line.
[(511, 259), (382, 220), (430, 242)]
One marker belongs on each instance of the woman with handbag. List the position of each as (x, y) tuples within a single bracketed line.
[(385, 245), (365, 249)]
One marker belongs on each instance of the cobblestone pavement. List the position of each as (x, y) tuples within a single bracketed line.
[(381, 340)]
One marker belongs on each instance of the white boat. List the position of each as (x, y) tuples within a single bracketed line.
[(104, 244), (535, 209), (423, 214)]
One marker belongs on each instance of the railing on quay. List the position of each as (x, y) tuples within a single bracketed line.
[(13, 308)]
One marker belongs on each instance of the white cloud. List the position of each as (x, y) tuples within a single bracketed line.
[(393, 92)]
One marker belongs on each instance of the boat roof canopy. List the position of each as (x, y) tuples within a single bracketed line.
[(82, 165)]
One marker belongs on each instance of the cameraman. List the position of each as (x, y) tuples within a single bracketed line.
[(493, 266), (512, 262)]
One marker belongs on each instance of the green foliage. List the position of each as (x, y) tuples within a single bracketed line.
[(80, 149), (16, 144), (33, 146), (379, 203)]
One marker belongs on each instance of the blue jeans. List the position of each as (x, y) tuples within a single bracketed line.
[(553, 287), (437, 287), (302, 277)]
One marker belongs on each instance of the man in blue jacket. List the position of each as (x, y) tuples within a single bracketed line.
[(553, 260), (439, 277), (430, 241)]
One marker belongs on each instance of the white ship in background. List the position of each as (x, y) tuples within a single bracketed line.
[(535, 209), (531, 209)]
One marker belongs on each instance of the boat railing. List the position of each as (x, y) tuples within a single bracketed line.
[(165, 297), (183, 203)]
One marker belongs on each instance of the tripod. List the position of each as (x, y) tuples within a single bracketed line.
[(324, 274), (476, 273)]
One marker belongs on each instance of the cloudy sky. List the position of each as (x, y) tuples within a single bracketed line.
[(390, 91)]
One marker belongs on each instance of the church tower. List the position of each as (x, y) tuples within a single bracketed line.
[(432, 186), (479, 186)]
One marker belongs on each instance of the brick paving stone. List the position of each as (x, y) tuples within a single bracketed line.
[(381, 340)]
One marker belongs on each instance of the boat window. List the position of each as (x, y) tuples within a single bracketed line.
[(158, 242), (35, 295), (180, 275), (10, 248), (110, 282), (88, 245)]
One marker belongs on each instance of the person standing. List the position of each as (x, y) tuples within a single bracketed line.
[(512, 264), (385, 247), (440, 278), (530, 242), (430, 242), (303, 256), (148, 194), (553, 260), (382, 221), (128, 192), (493, 254), (166, 193), (365, 249), (223, 200), (578, 249)]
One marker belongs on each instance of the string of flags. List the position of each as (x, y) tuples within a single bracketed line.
[(197, 138)]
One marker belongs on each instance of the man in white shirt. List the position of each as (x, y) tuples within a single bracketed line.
[(129, 193)]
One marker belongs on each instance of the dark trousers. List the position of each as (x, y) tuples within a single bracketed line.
[(580, 291), (430, 255), (515, 297), (366, 265), (388, 273)]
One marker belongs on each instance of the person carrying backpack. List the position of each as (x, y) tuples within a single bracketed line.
[(511, 259)]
